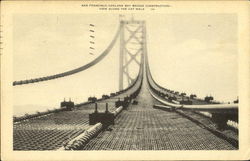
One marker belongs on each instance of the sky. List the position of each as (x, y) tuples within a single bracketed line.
[(192, 53)]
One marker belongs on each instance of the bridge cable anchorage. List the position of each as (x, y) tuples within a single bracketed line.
[(74, 71)]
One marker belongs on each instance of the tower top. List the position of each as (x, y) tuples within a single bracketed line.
[(131, 22)]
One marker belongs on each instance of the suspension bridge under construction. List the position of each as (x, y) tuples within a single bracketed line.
[(143, 116)]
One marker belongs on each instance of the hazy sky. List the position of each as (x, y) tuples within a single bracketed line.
[(194, 53)]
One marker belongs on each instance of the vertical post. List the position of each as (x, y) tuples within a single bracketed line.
[(96, 111), (126, 69), (107, 110), (143, 41), (121, 55)]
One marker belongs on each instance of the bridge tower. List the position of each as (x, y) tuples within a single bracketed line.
[(132, 40)]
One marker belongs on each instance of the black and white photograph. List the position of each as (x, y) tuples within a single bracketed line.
[(125, 78)]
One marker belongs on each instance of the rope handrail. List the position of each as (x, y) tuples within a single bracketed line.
[(74, 71), (215, 108)]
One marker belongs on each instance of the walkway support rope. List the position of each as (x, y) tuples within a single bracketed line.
[(74, 71)]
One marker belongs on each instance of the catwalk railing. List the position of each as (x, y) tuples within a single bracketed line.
[(74, 71), (129, 91), (127, 95), (219, 113)]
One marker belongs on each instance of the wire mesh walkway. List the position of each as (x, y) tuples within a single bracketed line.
[(51, 131), (142, 127)]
